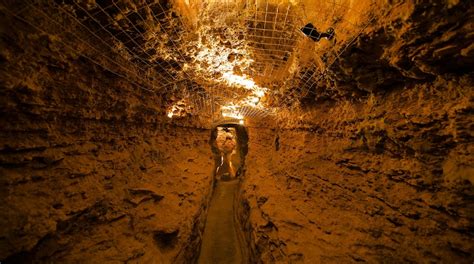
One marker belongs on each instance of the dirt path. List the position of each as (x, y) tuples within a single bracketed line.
[(220, 243)]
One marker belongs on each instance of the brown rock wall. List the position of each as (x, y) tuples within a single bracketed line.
[(113, 194), (386, 180), (91, 169)]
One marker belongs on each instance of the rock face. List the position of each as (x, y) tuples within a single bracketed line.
[(377, 166), (115, 193), (372, 162), (88, 174), (388, 180)]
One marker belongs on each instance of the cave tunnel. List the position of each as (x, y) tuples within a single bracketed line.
[(229, 143), (246, 131)]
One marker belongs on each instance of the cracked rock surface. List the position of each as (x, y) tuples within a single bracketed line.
[(390, 180), (372, 162)]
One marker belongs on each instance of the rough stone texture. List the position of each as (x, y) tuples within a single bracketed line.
[(406, 43), (88, 173), (374, 164), (388, 180), (105, 195), (377, 166)]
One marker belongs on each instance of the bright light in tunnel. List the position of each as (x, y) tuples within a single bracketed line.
[(179, 108), (232, 111), (260, 92), (233, 79), (249, 84), (241, 121), (232, 115), (226, 64)]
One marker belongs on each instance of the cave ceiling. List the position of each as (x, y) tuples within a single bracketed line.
[(211, 58)]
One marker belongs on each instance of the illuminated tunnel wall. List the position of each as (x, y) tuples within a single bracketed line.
[(359, 145)]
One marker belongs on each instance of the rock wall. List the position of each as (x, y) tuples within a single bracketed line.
[(91, 169), (375, 163), (386, 180), (115, 193)]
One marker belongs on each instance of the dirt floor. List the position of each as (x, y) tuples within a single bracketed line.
[(220, 242)]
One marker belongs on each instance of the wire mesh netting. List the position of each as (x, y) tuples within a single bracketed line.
[(206, 55)]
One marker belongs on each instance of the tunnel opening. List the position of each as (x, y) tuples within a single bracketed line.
[(229, 147), (223, 239)]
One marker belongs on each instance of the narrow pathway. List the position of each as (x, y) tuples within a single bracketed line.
[(220, 244)]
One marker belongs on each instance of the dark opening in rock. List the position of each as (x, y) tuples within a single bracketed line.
[(166, 240)]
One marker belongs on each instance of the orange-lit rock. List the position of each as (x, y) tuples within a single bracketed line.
[(359, 148)]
